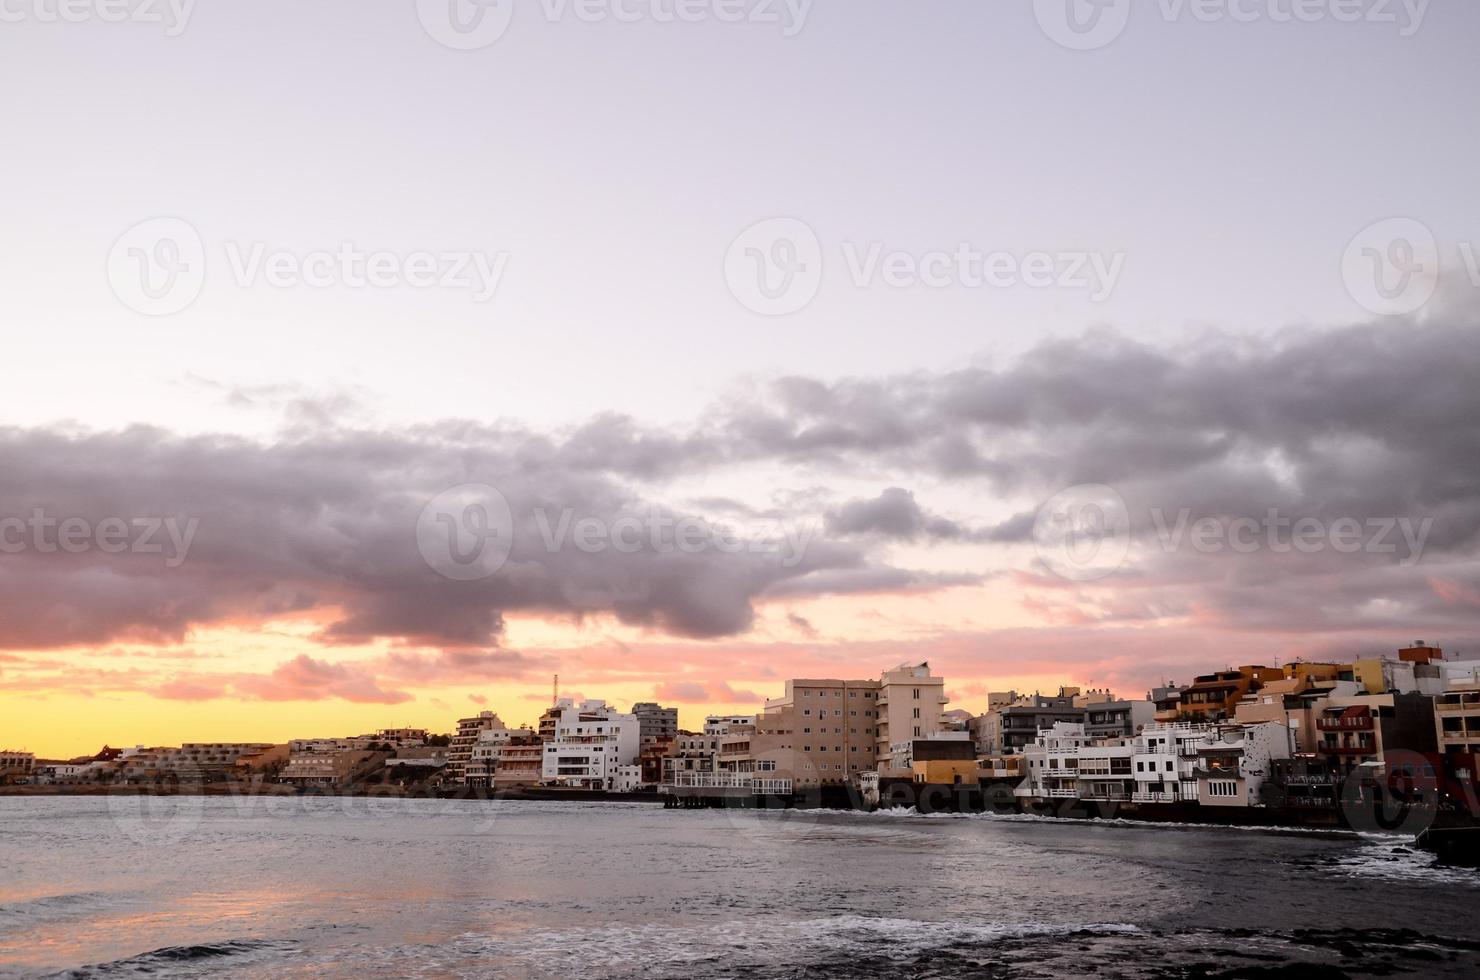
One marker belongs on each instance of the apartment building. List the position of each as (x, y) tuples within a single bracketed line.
[(1234, 762), (191, 762), (820, 732), (521, 761), (330, 769), (1051, 762), (483, 756), (719, 724), (1365, 731), (460, 748), (909, 704), (1457, 718), (591, 740), (1165, 761), (1215, 697), (654, 722), (16, 767)]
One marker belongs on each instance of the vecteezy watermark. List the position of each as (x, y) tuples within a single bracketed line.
[(1281, 534), (1084, 25), (1083, 533), (44, 534), (1391, 267), (775, 266), (662, 532), (174, 15), (468, 533), (158, 267), (466, 25)]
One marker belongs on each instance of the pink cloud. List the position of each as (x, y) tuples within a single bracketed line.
[(306, 679)]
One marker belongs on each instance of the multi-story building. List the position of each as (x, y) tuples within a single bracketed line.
[(590, 742), (1167, 700), (1108, 717), (719, 724), (521, 761), (1165, 761), (1457, 718), (1369, 730), (821, 732), (317, 768), (1052, 762), (192, 762), (16, 767), (909, 705), (1233, 763), (483, 756), (460, 748), (1215, 697), (1017, 725), (1296, 703), (654, 722), (408, 737)]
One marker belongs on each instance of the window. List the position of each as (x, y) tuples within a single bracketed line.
[(917, 714), (917, 694)]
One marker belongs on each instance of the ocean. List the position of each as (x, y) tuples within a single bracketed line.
[(173, 887)]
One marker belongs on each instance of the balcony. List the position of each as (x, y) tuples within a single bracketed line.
[(1149, 797), (1457, 706), (1348, 750), (1061, 773), (1363, 724), (1061, 794)]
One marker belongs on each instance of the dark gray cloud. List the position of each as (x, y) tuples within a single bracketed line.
[(1367, 421)]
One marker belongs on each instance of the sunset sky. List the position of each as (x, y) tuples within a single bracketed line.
[(871, 470)]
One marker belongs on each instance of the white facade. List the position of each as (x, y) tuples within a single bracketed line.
[(591, 742), (1052, 762), (720, 724), (1208, 764), (1234, 763), (1165, 762)]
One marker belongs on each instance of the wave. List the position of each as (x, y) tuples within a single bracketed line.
[(180, 961)]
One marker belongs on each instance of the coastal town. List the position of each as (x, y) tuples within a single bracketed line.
[(1298, 741)]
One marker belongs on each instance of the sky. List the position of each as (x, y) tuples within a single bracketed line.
[(389, 359)]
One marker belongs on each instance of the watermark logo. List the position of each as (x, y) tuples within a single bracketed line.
[(1391, 267), (466, 533), (41, 533), (158, 267), (1282, 534), (967, 266), (1082, 25), (174, 15), (1083, 533), (774, 267), (465, 25)]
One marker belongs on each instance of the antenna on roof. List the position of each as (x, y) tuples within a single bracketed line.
[(555, 692)]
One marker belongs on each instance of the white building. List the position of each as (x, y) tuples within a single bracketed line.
[(482, 760), (720, 724), (590, 742), (1233, 764), (1052, 770), (469, 730), (1165, 761)]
